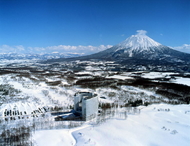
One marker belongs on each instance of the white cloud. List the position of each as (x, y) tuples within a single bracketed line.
[(20, 48), (141, 32), (78, 49), (8, 49), (184, 48), (50, 49)]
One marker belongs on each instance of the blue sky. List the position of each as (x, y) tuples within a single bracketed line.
[(43, 23)]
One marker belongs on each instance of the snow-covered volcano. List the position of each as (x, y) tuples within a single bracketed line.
[(139, 49), (138, 43), (142, 47)]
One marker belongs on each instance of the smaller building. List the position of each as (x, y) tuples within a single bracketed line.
[(86, 104)]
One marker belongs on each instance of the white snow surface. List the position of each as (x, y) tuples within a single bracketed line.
[(40, 94), (154, 75), (53, 138), (181, 80), (122, 77), (177, 80), (156, 125)]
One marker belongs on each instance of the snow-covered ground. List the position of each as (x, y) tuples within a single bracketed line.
[(34, 95), (122, 77), (156, 125), (154, 75), (53, 138), (178, 80), (184, 81)]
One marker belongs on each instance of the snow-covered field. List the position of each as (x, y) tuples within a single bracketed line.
[(156, 125), (184, 81), (34, 95), (153, 75), (53, 138), (122, 77)]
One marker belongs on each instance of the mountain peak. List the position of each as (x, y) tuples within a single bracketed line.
[(139, 42)]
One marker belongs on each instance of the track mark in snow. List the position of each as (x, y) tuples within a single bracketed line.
[(71, 131), (174, 132)]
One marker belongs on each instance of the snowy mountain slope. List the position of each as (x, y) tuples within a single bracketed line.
[(139, 42), (140, 46), (138, 49)]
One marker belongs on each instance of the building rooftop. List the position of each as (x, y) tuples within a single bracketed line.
[(86, 95)]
